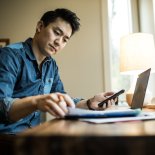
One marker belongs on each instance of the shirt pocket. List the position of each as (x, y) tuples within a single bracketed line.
[(48, 85)]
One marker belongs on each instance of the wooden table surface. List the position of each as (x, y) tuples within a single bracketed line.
[(58, 127), (74, 137)]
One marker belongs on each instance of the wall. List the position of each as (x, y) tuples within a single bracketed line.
[(80, 63), (146, 16), (147, 22)]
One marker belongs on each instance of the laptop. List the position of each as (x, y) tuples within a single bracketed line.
[(134, 110)]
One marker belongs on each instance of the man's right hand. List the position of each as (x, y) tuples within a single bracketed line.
[(56, 103)]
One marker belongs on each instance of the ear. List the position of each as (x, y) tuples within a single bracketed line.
[(40, 25)]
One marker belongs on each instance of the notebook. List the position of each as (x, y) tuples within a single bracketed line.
[(134, 110)]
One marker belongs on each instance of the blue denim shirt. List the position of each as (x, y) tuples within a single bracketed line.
[(20, 77)]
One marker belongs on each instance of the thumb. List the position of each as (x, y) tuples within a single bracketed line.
[(68, 100)]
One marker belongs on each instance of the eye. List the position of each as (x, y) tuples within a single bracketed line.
[(65, 40), (57, 32)]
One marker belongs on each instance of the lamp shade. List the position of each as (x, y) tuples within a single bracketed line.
[(137, 52)]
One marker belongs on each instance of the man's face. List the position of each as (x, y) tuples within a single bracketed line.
[(54, 37)]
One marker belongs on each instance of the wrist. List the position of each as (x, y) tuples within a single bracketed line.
[(88, 102), (34, 101)]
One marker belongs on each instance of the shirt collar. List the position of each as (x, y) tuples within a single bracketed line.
[(29, 50)]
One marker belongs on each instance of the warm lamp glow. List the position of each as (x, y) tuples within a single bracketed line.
[(137, 53)]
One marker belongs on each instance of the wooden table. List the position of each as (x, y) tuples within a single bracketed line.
[(74, 137), (66, 137)]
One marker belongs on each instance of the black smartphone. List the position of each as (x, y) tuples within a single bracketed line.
[(111, 97)]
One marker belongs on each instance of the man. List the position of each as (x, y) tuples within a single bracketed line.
[(29, 77)]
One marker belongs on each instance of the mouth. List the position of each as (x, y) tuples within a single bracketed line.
[(53, 48)]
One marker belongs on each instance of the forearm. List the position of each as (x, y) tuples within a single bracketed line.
[(22, 108), (55, 103)]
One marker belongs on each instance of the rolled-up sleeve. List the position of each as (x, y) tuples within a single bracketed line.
[(5, 105), (8, 76)]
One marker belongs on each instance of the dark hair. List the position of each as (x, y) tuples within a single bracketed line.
[(65, 14)]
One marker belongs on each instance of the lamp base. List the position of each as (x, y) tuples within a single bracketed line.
[(129, 97)]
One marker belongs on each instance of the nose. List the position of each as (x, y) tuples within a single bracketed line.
[(57, 41)]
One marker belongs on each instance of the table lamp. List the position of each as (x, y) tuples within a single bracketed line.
[(137, 53)]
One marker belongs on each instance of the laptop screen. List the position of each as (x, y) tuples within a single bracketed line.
[(140, 90)]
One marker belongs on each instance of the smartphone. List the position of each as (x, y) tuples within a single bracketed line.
[(111, 97)]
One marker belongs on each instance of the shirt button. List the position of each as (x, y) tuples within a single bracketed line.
[(38, 75)]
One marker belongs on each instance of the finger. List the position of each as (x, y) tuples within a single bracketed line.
[(63, 105), (55, 108), (54, 97), (109, 103), (50, 111), (60, 101), (112, 102), (68, 100), (104, 106), (116, 100), (108, 94)]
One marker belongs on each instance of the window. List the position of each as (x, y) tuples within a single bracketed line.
[(119, 25)]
